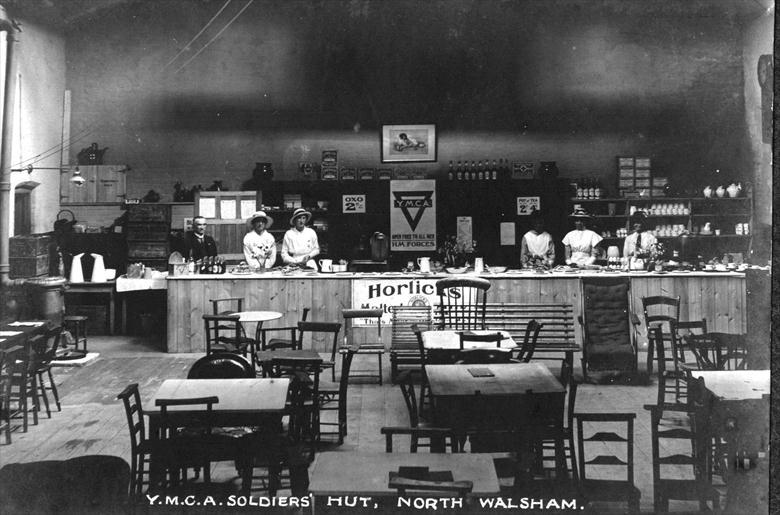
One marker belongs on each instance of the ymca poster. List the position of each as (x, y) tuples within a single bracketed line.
[(413, 216)]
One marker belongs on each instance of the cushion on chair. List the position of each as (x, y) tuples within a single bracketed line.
[(607, 326)]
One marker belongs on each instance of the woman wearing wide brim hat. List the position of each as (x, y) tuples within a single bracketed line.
[(581, 244), (537, 248), (259, 245), (300, 244)]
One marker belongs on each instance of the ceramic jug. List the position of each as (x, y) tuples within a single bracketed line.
[(76, 273), (326, 265), (721, 191), (707, 192), (733, 190), (98, 269), (479, 265), (425, 264)]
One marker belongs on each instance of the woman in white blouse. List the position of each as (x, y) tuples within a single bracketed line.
[(581, 243), (537, 247), (300, 245)]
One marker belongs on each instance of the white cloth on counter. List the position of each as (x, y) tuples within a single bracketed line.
[(299, 244), (581, 244), (259, 247), (26, 324), (157, 282)]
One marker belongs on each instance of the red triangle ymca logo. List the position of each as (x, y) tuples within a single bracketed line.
[(413, 204)]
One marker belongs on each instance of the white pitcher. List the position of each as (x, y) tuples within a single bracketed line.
[(326, 265), (425, 264), (76, 273), (98, 269), (479, 265)]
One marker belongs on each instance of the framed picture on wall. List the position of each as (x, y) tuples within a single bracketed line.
[(408, 143)]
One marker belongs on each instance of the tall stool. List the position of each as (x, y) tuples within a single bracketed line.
[(375, 348), (77, 326)]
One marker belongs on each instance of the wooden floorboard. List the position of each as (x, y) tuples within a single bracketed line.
[(92, 421)]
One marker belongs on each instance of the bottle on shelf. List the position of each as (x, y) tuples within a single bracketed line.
[(460, 171), (580, 190), (599, 190), (494, 171), (473, 171), (480, 171), (591, 188), (450, 172)]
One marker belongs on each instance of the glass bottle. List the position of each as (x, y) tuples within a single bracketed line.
[(480, 171), (450, 172), (460, 171), (591, 188)]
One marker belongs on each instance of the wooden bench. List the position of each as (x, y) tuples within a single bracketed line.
[(404, 348), (555, 337)]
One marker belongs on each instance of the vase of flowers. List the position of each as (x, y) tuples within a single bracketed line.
[(456, 253)]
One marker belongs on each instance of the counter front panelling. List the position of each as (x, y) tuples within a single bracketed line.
[(720, 298)]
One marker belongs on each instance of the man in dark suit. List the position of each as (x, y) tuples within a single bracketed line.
[(198, 244)]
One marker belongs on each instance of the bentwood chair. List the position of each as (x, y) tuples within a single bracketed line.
[(373, 346), (221, 365), (462, 303)]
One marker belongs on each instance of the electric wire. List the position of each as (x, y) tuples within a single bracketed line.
[(215, 37), (196, 36)]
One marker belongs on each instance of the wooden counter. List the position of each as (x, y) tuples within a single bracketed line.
[(718, 297)]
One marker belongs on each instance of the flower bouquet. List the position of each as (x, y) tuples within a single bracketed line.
[(454, 253)]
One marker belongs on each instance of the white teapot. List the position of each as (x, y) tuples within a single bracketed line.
[(721, 191), (733, 190)]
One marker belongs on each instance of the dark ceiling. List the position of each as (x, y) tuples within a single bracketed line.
[(67, 15)]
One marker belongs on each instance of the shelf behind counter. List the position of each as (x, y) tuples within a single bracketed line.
[(717, 296)]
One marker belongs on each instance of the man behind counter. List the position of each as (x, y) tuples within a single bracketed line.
[(198, 244)]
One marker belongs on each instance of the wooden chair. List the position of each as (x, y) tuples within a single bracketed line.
[(227, 306), (404, 348), (328, 330), (663, 311), (224, 334), (526, 350), (606, 321), (221, 365), (469, 337), (614, 489), (140, 445), (546, 450), (8, 364), (267, 343), (718, 351), (417, 429), (77, 326), (303, 397), (376, 348), (477, 356), (336, 399), (44, 354), (188, 442), (462, 303), (24, 383)]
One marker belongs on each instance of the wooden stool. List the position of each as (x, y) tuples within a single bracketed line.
[(77, 325)]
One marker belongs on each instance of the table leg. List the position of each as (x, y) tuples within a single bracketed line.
[(111, 311)]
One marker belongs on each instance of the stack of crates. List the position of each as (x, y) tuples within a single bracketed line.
[(635, 177), (148, 234)]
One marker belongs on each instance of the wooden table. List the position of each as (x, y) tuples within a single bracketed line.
[(23, 333), (450, 340), (104, 288), (242, 402), (735, 385), (509, 379), (257, 316), (367, 473), (303, 354)]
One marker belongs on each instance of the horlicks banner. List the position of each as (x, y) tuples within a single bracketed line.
[(413, 215), (378, 293)]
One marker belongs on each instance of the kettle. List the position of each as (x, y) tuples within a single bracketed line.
[(379, 246)]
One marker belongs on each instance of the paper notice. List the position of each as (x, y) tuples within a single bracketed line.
[(248, 207), (227, 209), (207, 207), (507, 233)]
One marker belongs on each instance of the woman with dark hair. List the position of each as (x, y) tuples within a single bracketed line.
[(581, 243), (537, 248)]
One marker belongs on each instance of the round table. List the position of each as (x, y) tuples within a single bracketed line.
[(258, 317)]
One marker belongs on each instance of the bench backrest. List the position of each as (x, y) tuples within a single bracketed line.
[(403, 319), (557, 320)]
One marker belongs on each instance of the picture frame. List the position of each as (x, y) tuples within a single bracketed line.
[(408, 143)]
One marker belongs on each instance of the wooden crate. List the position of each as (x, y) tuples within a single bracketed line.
[(31, 266), (30, 245)]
